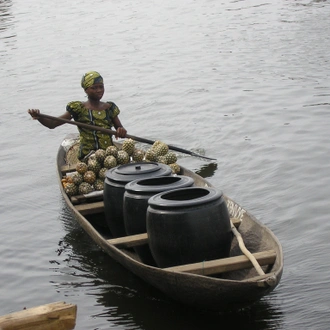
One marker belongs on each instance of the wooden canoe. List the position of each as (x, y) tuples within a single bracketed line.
[(223, 284), (53, 316)]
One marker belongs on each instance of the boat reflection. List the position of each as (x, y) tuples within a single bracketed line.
[(127, 301), (207, 170)]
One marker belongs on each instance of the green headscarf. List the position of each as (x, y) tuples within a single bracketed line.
[(90, 78)]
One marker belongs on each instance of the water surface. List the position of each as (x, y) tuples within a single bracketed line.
[(245, 82)]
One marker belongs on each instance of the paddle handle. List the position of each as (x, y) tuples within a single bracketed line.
[(243, 248), (111, 132), (77, 123)]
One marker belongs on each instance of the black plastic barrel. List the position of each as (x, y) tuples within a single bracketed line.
[(188, 225), (136, 196), (114, 189)]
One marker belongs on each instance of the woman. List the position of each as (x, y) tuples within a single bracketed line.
[(93, 112)]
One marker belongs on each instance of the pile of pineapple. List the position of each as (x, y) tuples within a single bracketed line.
[(91, 173)]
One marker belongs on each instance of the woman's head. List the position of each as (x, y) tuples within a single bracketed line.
[(90, 78)]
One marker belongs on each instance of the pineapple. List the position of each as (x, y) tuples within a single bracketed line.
[(111, 151), (123, 157), (93, 165), (102, 173), (81, 167), (77, 178), (128, 146), (161, 159), (71, 189), (150, 155), (89, 177), (171, 158), (161, 149), (98, 184), (100, 155), (156, 143), (85, 188), (175, 168), (110, 162), (138, 155)]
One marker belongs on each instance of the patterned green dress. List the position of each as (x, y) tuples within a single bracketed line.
[(93, 140)]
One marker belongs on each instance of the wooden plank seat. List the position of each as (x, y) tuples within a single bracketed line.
[(202, 268), (82, 199), (207, 267), (90, 208), (140, 239), (226, 264), (68, 168), (129, 241)]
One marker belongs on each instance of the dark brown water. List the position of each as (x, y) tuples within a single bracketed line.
[(245, 82)]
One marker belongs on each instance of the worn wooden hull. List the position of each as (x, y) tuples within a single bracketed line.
[(221, 290)]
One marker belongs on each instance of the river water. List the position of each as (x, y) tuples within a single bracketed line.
[(245, 82)]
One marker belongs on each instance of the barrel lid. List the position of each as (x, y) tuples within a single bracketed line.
[(158, 184), (133, 171), (185, 197)]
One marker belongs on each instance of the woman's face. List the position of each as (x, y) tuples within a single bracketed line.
[(95, 92)]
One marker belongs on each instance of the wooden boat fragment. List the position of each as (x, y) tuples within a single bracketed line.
[(53, 316)]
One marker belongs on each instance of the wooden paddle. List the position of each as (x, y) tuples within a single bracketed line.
[(111, 132)]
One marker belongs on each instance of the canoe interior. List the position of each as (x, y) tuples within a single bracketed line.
[(223, 285)]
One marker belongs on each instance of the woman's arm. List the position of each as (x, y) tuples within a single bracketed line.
[(50, 123), (120, 130)]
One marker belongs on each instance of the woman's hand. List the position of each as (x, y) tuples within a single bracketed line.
[(34, 113), (120, 132)]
